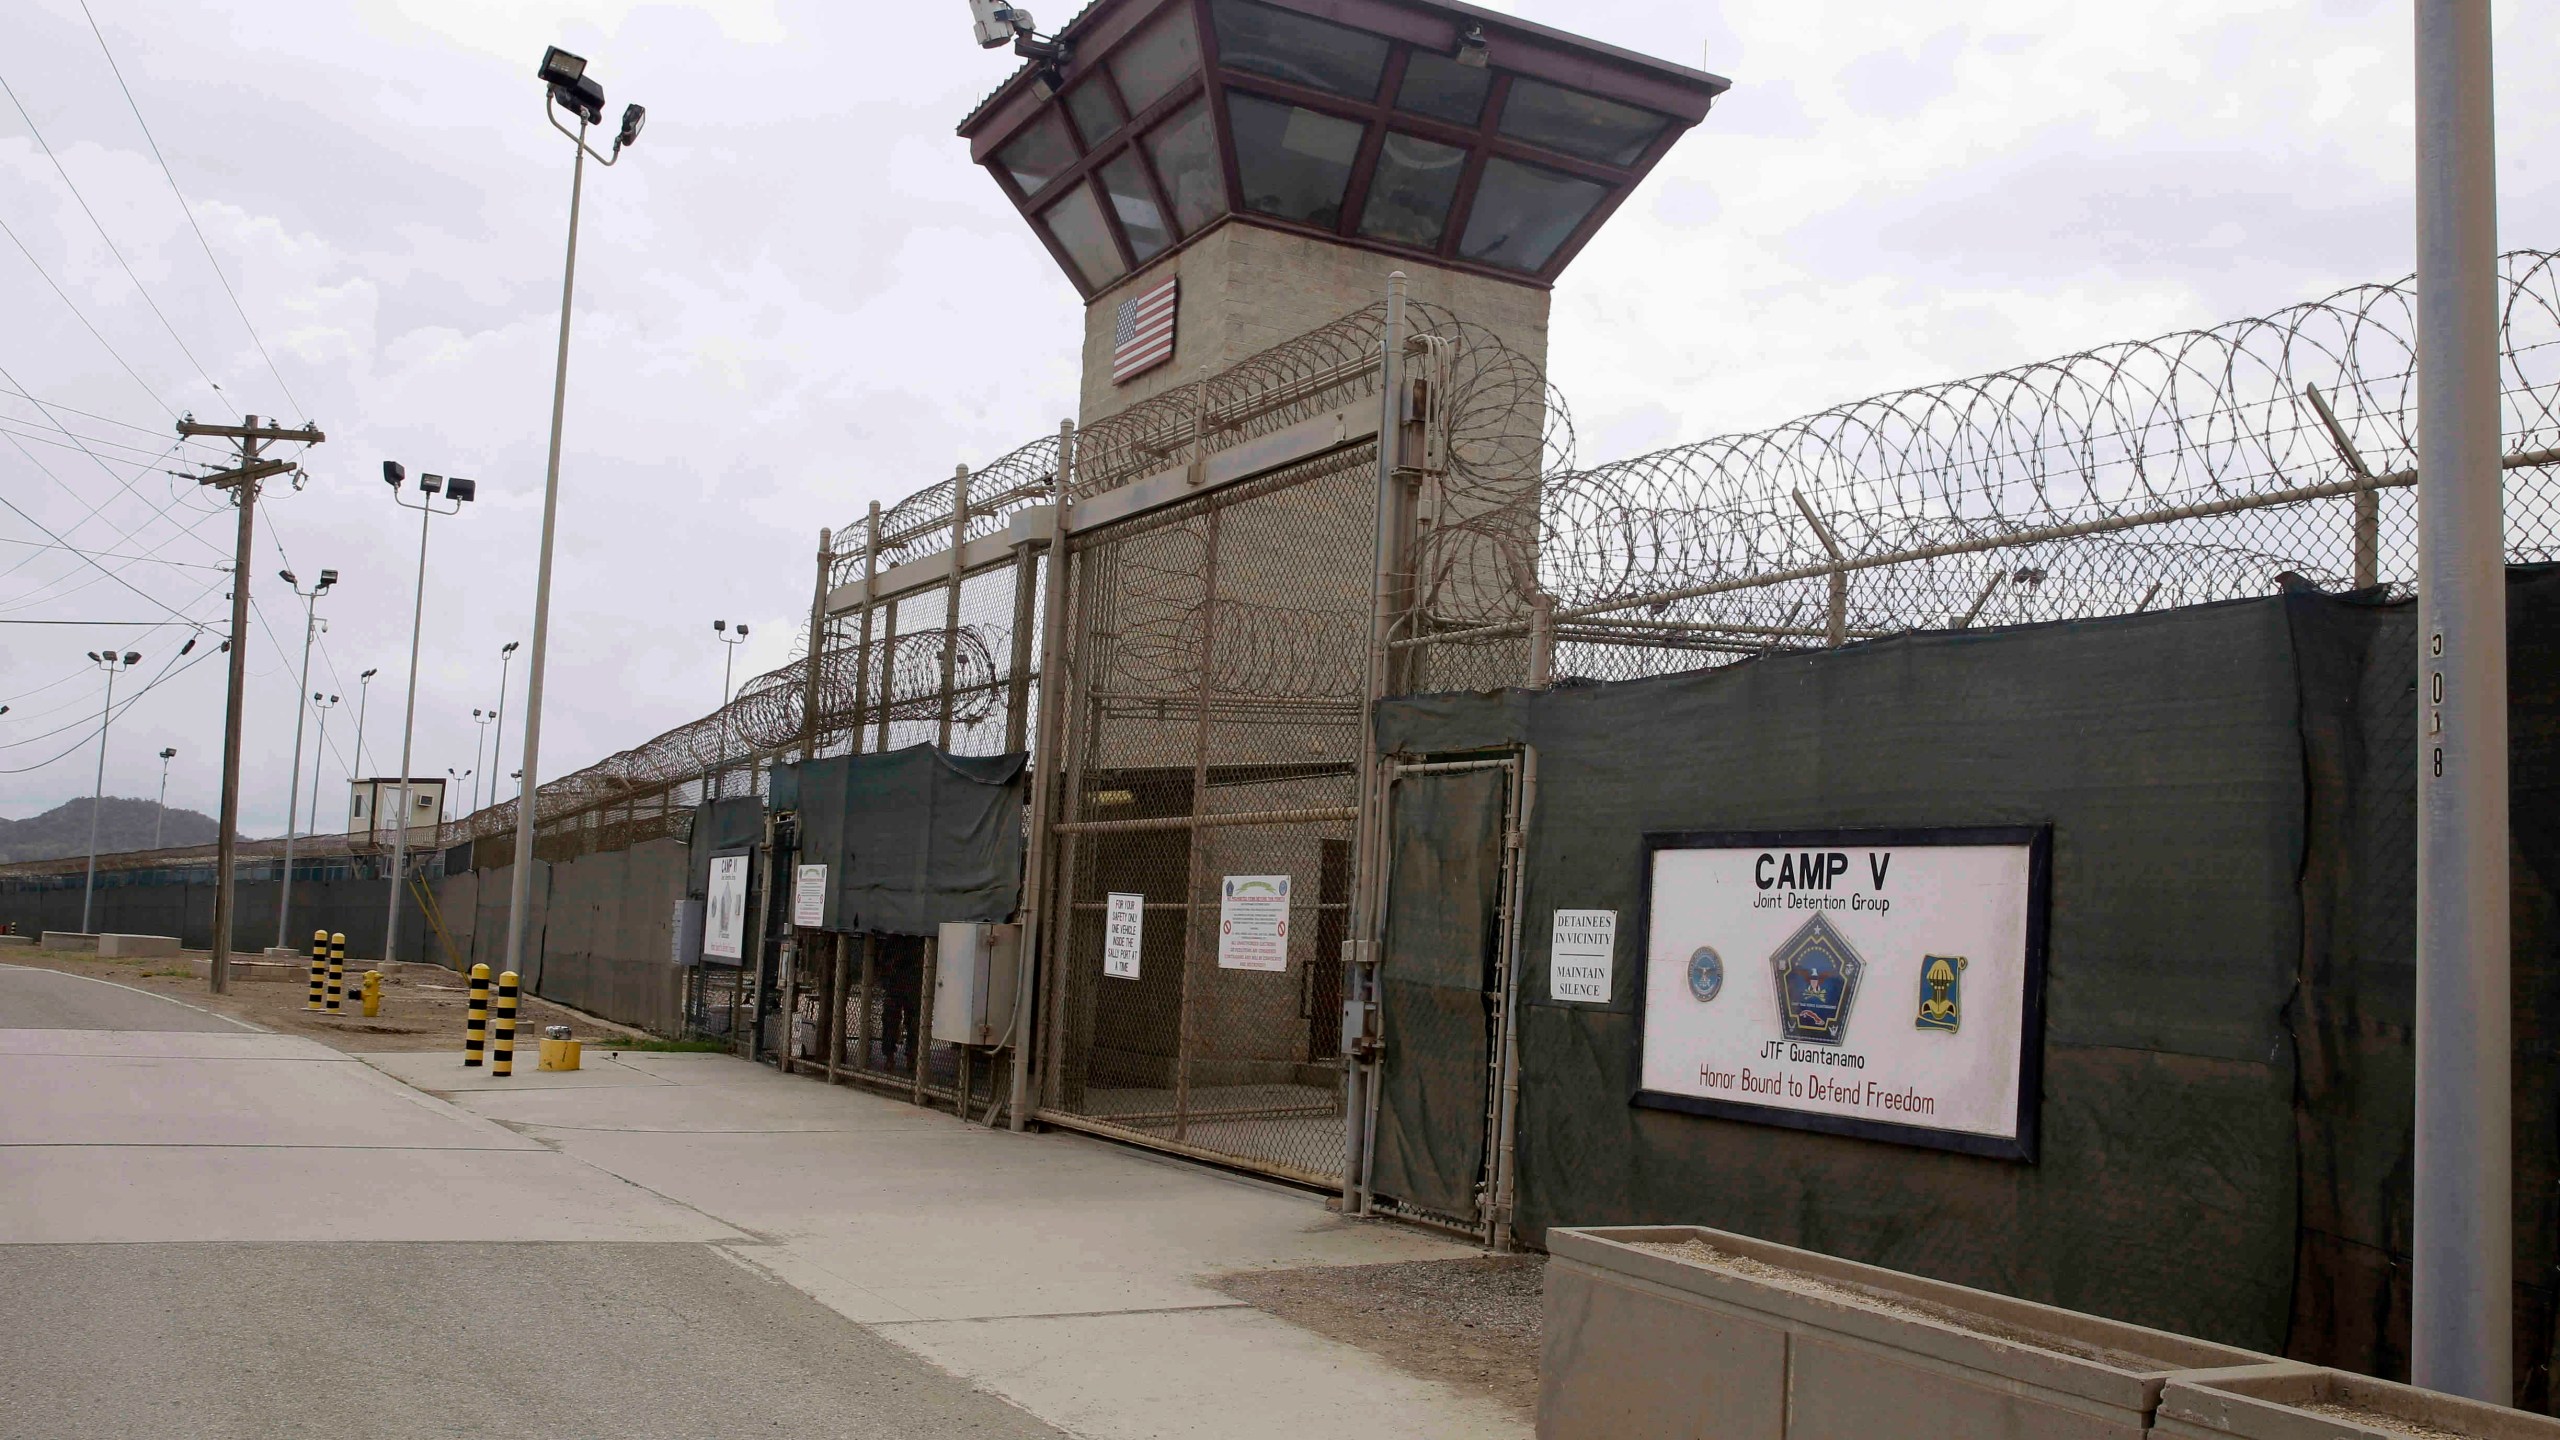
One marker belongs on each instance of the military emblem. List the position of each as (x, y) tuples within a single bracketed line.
[(1941, 993), (1706, 974), (1817, 983)]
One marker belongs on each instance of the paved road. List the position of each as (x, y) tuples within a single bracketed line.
[(211, 1231), (51, 1000)]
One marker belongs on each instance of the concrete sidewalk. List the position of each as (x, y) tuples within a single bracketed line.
[(1060, 1272)]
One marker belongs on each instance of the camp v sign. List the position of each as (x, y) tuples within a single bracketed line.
[(1883, 984)]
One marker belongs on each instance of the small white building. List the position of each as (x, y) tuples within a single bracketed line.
[(369, 802)]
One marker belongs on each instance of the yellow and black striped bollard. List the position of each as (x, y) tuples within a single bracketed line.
[(338, 963), (475, 1029), (503, 1060), (319, 964), (337, 974)]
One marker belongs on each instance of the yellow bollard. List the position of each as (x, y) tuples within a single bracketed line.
[(372, 993), (475, 1029), (319, 964), (558, 1054), (503, 1060), (337, 971)]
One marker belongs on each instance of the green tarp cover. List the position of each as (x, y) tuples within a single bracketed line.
[(911, 838), (734, 826), (2228, 1064)]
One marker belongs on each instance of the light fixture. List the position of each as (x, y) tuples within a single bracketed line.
[(328, 578), (632, 119), (721, 626), (561, 68), (288, 577), (430, 484), (1473, 52), (459, 490), (132, 658), (393, 473)]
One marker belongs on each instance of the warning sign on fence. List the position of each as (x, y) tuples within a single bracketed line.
[(1253, 923), (1123, 931)]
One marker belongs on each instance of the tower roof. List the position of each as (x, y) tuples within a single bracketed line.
[(1413, 127)]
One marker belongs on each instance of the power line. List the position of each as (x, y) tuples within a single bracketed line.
[(108, 240), (109, 555), (83, 742), (12, 388), (58, 540), (186, 209), (83, 319)]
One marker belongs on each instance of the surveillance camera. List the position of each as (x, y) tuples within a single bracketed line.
[(998, 22)]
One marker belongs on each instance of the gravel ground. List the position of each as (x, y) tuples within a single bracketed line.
[(1475, 1323), (422, 1005)]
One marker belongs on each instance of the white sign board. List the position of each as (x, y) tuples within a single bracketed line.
[(1253, 923), (809, 896), (1888, 985), (1124, 922), (1582, 956), (724, 910)]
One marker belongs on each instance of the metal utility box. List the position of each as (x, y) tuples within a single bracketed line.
[(975, 967)]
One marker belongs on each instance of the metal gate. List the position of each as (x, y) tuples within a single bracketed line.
[(1447, 1079), (1214, 732)]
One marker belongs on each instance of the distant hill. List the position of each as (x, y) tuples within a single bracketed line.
[(122, 825)]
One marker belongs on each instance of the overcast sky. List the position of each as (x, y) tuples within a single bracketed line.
[(796, 295)]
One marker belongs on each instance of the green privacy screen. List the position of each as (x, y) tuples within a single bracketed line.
[(2224, 1126)]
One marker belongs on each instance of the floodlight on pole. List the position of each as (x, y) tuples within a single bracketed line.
[(506, 657), (312, 626), (160, 810), (113, 664), (364, 693), (566, 86), (319, 756), (427, 509)]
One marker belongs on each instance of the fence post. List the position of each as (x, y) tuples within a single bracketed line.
[(817, 646), (951, 611), (1838, 633), (1044, 776), (1542, 641), (2368, 500), (861, 654), (1198, 834), (835, 1009), (862, 1004), (921, 1018), (1360, 972)]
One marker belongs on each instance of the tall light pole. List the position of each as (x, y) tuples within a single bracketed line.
[(319, 755), (364, 692), (112, 663), (459, 492), (160, 810), (729, 644), (506, 657), (452, 782), (565, 86), (483, 719), (312, 625), (2462, 1251)]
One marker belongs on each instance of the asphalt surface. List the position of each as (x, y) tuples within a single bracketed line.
[(637, 1341), (207, 1230), (51, 1000)]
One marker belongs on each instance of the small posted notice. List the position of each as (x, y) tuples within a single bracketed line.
[(1123, 932), (809, 896), (1582, 956), (1253, 923)]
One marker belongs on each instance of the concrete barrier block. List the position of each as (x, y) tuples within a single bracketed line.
[(1684, 1331), (69, 940), (2293, 1402), (135, 947), (28, 941)]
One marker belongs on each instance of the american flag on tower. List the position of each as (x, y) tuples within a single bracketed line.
[(1142, 337)]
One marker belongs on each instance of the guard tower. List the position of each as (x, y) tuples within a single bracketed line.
[(1275, 159)]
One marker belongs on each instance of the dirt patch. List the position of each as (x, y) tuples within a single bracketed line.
[(1475, 1323), (422, 1005), (1699, 1252)]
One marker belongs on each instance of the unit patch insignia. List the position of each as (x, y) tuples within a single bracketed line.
[(1706, 974), (1817, 983), (1941, 993)]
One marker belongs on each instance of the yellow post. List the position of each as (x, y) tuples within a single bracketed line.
[(372, 993), (475, 1029), (319, 964), (337, 970), (503, 1062)]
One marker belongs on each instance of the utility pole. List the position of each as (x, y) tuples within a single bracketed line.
[(2462, 1250), (241, 481)]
